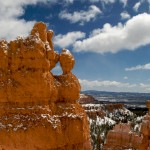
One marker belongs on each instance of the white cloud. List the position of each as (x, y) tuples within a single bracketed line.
[(124, 2), (69, 1), (92, 1), (113, 86), (125, 15), (139, 67), (106, 83), (95, 32), (13, 28), (68, 39), (10, 24), (133, 34), (103, 1), (81, 16), (125, 78), (136, 6)]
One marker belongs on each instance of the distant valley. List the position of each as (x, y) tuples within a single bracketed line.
[(130, 100)]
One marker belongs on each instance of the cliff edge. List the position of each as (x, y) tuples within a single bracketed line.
[(38, 110)]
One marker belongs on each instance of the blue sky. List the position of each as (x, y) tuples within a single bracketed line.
[(110, 39)]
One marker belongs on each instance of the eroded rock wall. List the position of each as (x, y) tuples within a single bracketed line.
[(37, 109)]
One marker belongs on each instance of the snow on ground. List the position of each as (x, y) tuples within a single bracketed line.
[(99, 126), (35, 117)]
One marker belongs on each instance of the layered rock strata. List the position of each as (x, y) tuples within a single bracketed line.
[(38, 111)]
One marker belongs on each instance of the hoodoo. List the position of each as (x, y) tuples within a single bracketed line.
[(38, 110)]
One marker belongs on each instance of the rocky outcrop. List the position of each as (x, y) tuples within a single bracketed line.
[(101, 110), (38, 110), (113, 107), (86, 99), (145, 130), (102, 118), (122, 137)]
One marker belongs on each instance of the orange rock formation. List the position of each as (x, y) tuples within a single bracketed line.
[(145, 130), (122, 137), (37, 109), (86, 99)]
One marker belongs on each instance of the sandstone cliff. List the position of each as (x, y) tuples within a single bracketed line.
[(37, 109)]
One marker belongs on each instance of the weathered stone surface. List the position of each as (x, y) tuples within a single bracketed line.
[(66, 61), (122, 136), (37, 109), (67, 82), (99, 110), (112, 107), (45, 127), (86, 99)]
